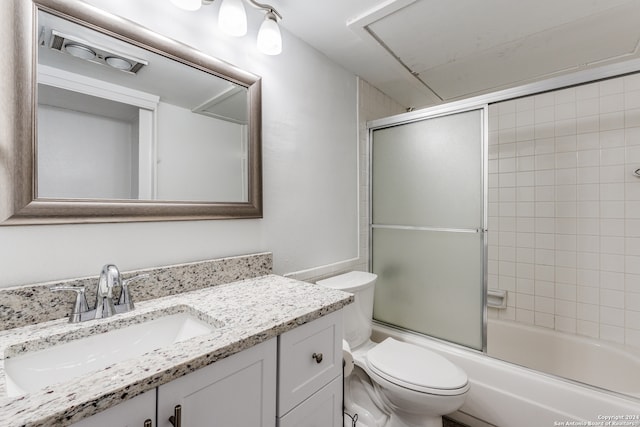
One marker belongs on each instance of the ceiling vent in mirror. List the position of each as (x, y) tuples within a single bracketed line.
[(90, 52)]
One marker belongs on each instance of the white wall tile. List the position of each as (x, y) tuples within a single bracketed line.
[(568, 110), (611, 86), (566, 225), (547, 130), (632, 135), (611, 121), (527, 103), (588, 141), (591, 90), (566, 324), (545, 288), (588, 294), (589, 329), (612, 209), (612, 333), (612, 280), (588, 107), (590, 226), (612, 192), (588, 261), (544, 320), (632, 99), (632, 337), (610, 262), (525, 316), (612, 103), (610, 174), (588, 312), (571, 206), (631, 82), (632, 118), (587, 124), (612, 227), (544, 114), (612, 316), (569, 126), (632, 264), (612, 298), (612, 245)]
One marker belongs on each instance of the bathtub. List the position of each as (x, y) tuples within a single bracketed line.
[(504, 394), (589, 361)]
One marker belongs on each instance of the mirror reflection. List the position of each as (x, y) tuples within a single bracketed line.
[(118, 122)]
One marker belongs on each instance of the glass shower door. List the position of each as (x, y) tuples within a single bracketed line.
[(427, 222)]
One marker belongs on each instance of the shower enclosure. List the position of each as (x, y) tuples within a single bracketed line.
[(511, 225), (428, 222)]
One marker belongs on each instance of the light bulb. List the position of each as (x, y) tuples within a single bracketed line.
[(269, 37), (232, 18), (187, 4)]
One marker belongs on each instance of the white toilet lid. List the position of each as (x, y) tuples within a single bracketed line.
[(414, 367)]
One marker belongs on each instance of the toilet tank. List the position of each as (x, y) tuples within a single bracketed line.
[(356, 316)]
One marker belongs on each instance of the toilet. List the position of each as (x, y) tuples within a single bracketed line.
[(393, 383)]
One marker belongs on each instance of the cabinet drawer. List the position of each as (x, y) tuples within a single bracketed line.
[(323, 409), (300, 372)]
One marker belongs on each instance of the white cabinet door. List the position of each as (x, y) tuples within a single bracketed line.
[(323, 409), (310, 356), (239, 391), (131, 413)]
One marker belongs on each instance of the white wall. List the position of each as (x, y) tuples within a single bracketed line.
[(310, 170), (99, 145), (217, 172)]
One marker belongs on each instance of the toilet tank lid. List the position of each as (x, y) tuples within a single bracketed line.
[(349, 282)]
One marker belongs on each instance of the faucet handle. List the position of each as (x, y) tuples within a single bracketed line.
[(79, 306), (125, 297)]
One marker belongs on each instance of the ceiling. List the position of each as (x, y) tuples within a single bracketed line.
[(425, 52)]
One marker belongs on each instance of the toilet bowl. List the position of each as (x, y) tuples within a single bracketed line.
[(395, 384)]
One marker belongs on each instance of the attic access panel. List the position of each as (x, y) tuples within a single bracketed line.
[(464, 48)]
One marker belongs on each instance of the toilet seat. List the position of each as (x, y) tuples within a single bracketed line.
[(416, 368)]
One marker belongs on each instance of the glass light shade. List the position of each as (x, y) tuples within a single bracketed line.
[(187, 4), (118, 63), (232, 18), (269, 37), (80, 51)]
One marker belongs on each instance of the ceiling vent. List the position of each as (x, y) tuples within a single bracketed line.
[(79, 48)]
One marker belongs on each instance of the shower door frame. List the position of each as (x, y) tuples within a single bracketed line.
[(580, 77), (428, 114)]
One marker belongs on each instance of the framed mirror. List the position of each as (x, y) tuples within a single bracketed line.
[(106, 121)]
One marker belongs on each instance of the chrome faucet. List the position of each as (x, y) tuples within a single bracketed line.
[(105, 305), (109, 278)]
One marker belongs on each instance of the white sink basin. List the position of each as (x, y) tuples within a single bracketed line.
[(35, 370)]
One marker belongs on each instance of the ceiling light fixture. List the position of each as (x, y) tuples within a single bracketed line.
[(232, 19)]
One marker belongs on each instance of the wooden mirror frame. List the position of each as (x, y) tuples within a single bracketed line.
[(18, 136)]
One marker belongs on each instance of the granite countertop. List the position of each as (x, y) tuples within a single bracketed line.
[(251, 311)]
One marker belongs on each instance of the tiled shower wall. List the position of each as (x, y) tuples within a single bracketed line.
[(564, 209)]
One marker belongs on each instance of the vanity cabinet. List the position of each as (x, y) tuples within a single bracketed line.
[(302, 367), (310, 374), (131, 413), (237, 391), (234, 392)]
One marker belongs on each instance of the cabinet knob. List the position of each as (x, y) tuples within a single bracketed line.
[(176, 418), (317, 357), (148, 423)]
